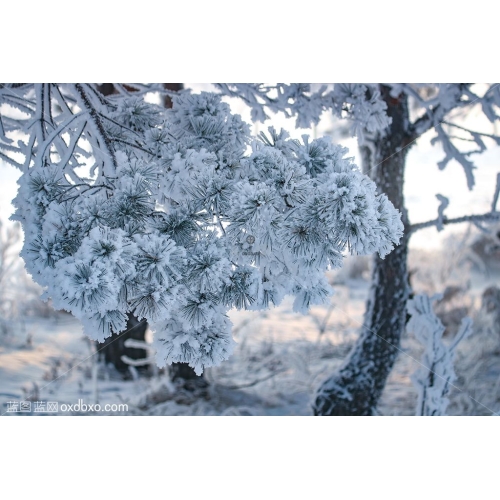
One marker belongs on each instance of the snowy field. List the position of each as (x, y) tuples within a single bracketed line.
[(280, 359)]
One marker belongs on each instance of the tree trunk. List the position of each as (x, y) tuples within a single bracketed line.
[(113, 348), (356, 388)]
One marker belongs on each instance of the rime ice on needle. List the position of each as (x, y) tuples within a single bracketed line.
[(182, 215)]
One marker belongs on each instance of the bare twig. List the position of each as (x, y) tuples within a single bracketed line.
[(254, 382)]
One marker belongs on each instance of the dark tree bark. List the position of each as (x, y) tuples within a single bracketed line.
[(106, 89), (113, 348), (356, 388)]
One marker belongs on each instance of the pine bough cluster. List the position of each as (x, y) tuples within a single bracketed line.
[(179, 215)]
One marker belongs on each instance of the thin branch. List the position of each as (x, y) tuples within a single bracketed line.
[(133, 145), (472, 132), (462, 139), (80, 192), (22, 100), (29, 152), (436, 114), (96, 122), (56, 134), (453, 153), (138, 362), (2, 132), (72, 145), (8, 147), (19, 105), (61, 99), (16, 124), (100, 96), (496, 194), (119, 124), (121, 89), (138, 344), (488, 217), (141, 89), (11, 161), (254, 382)]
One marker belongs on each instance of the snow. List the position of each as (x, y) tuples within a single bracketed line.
[(280, 359)]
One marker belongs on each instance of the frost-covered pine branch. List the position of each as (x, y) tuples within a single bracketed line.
[(436, 375), (179, 215), (359, 103)]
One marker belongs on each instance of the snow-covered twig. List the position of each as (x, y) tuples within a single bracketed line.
[(86, 102), (487, 217), (475, 219), (436, 375), (138, 344), (138, 362)]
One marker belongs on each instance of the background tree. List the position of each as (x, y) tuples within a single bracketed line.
[(386, 128)]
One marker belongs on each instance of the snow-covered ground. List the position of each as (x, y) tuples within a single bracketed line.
[(280, 359)]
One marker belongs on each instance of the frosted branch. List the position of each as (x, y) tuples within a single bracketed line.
[(487, 217), (442, 220), (138, 344), (453, 153), (138, 362), (436, 375), (360, 103), (445, 98), (10, 160), (104, 140)]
